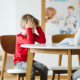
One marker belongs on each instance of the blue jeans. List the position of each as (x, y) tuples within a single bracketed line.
[(67, 32), (35, 66)]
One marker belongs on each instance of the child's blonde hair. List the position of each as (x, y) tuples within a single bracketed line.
[(71, 7), (50, 12), (25, 19)]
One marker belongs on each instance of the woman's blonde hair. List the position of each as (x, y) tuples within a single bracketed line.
[(25, 19), (50, 12)]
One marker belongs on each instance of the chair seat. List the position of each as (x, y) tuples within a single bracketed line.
[(57, 68), (15, 71)]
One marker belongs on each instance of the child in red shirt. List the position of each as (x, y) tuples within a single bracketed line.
[(28, 36)]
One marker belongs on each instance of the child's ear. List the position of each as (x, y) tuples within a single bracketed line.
[(23, 27), (26, 22)]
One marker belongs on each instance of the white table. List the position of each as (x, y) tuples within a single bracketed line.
[(50, 49)]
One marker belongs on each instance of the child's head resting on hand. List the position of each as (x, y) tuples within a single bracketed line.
[(28, 21)]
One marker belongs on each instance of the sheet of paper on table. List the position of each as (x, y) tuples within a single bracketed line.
[(66, 41)]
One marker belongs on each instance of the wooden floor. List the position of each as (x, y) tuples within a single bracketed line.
[(55, 79), (35, 79), (25, 79), (38, 78)]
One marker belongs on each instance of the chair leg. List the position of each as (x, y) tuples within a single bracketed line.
[(58, 77), (53, 75), (3, 65), (22, 78), (18, 77), (1, 78)]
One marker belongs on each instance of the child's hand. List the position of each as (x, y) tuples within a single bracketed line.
[(29, 24), (38, 22), (57, 23)]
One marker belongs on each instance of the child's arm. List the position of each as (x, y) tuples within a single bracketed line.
[(41, 37), (26, 40)]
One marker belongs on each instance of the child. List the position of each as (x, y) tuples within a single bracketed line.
[(28, 36), (70, 23), (50, 15)]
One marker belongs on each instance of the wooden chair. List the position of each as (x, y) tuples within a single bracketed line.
[(59, 70), (8, 45), (1, 56)]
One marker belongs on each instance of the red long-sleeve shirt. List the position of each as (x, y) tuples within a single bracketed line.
[(20, 52)]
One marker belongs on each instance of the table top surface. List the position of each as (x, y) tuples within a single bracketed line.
[(49, 46)]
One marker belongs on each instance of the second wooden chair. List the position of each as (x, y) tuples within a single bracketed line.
[(60, 69)]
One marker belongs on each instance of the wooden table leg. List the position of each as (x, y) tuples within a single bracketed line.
[(29, 65), (79, 59), (69, 64), (59, 64)]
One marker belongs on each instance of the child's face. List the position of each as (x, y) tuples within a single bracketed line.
[(51, 19), (24, 31), (70, 12)]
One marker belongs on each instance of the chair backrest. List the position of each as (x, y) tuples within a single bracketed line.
[(60, 37), (8, 43)]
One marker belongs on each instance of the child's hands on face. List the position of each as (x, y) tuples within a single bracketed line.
[(38, 23), (29, 24), (33, 28)]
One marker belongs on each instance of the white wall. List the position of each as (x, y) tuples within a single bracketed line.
[(7, 17), (26, 7)]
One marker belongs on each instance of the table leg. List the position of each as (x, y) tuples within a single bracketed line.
[(79, 59), (69, 64), (29, 65)]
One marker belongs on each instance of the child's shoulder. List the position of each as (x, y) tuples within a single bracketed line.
[(67, 17), (75, 17), (19, 35)]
